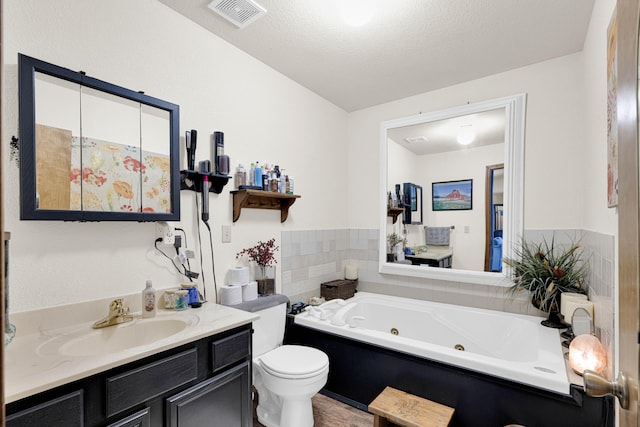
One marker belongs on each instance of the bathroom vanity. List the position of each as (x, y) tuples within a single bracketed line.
[(200, 375), (433, 257)]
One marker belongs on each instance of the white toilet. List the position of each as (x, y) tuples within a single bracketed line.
[(285, 376)]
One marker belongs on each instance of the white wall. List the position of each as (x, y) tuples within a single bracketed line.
[(553, 139), (595, 215), (468, 236), (144, 45), (332, 156)]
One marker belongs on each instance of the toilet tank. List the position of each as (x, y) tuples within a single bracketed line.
[(268, 330)]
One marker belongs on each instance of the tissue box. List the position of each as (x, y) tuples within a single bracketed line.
[(338, 289)]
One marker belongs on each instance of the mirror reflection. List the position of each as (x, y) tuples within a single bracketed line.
[(468, 162), (97, 151)]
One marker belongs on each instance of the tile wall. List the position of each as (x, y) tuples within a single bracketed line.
[(312, 257)]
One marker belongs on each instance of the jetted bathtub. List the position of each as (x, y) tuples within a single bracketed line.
[(510, 346)]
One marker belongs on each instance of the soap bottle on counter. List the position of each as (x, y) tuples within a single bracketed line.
[(148, 300)]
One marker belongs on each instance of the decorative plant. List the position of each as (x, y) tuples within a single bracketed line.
[(393, 239), (546, 270), (262, 254)]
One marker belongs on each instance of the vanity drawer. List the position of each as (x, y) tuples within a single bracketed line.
[(142, 384), (231, 349), (139, 419), (67, 410)]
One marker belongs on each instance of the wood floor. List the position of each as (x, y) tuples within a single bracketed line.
[(328, 412)]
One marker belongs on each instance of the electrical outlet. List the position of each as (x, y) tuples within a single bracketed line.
[(167, 232), (226, 234)]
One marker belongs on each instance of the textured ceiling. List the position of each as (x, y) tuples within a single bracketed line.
[(409, 46), (488, 128)]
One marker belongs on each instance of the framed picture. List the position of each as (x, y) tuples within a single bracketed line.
[(452, 195)]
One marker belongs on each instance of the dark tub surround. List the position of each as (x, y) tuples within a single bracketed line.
[(360, 371)]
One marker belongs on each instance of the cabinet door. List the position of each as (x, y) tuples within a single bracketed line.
[(221, 401), (64, 411)]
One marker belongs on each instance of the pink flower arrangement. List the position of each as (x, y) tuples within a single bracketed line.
[(262, 253)]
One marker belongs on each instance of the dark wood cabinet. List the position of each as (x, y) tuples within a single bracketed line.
[(66, 410), (206, 381), (139, 419), (216, 402)]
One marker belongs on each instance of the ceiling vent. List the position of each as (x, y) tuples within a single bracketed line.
[(417, 139), (239, 12)]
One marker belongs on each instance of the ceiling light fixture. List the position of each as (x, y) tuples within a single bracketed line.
[(355, 12), (466, 135)]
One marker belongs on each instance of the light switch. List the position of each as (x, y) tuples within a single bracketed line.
[(226, 234)]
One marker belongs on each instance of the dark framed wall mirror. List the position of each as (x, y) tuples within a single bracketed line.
[(94, 151)]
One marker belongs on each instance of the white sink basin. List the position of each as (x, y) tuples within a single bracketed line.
[(139, 332)]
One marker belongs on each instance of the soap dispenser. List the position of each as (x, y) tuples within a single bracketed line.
[(148, 300)]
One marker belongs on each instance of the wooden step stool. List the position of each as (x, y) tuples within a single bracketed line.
[(407, 410)]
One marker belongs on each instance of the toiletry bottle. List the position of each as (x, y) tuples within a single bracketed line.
[(218, 152), (275, 179), (252, 174), (282, 183), (291, 186), (273, 182), (258, 175), (148, 301), (240, 176)]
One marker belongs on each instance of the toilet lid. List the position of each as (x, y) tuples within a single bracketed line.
[(294, 361)]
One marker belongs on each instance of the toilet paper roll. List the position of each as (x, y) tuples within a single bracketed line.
[(250, 291), (230, 295), (238, 275), (566, 297)]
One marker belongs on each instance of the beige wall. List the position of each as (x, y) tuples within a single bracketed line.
[(144, 45), (553, 138), (333, 156)]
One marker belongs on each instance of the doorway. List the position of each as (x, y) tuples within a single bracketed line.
[(494, 213)]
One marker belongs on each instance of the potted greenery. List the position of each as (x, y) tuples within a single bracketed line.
[(263, 254), (546, 270)]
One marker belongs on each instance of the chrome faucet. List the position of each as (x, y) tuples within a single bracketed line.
[(118, 313)]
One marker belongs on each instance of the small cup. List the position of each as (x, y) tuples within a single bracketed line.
[(169, 298), (182, 300)]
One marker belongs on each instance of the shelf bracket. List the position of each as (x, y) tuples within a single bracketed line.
[(258, 199)]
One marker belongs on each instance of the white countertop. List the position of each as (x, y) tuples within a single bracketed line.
[(433, 253), (32, 367)]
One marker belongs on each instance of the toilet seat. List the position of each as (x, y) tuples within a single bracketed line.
[(294, 362)]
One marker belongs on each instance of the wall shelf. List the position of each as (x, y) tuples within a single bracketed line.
[(192, 180), (258, 199), (394, 212)]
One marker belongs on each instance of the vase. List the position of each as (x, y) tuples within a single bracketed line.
[(266, 278), (398, 250), (554, 319)]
